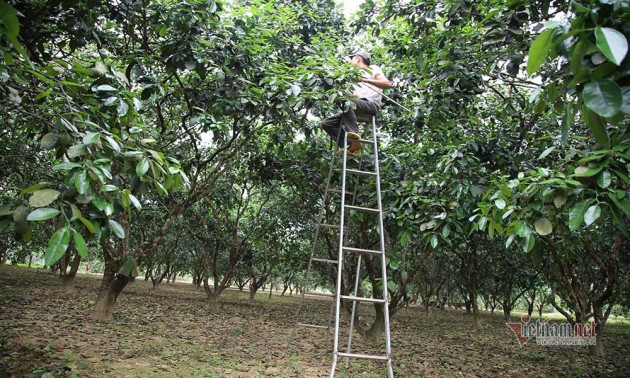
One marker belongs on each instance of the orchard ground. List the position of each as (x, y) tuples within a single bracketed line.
[(175, 332)]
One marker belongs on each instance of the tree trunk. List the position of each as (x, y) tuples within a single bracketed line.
[(597, 350), (270, 290), (212, 295), (104, 308), (67, 284), (67, 278), (112, 283), (252, 294), (530, 309), (379, 324), (30, 260), (475, 309), (540, 308)]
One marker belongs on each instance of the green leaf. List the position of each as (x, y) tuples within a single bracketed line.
[(446, 231), (138, 205), (66, 166), (509, 240), (57, 246), (112, 142), (129, 268), (546, 152), (142, 167), (20, 213), (111, 101), (103, 205), (543, 226), (623, 206), (87, 224), (560, 198), (591, 214), (612, 44), (5, 210), (603, 97), (82, 183), (123, 108), (604, 180), (91, 138), (33, 188), (109, 188), (567, 121), (528, 243), (43, 197), (105, 88), (500, 203), (583, 171), (116, 228), (42, 214), (9, 19), (76, 151), (404, 238), (75, 211), (625, 93), (80, 245), (49, 141), (539, 50), (434, 241), (576, 216)]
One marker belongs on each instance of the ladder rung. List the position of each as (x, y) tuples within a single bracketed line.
[(364, 356), (338, 191), (319, 294), (362, 299), (312, 326), (363, 251), (357, 172), (325, 260), (369, 141), (361, 208)]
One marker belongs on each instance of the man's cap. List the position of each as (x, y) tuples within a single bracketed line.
[(363, 54)]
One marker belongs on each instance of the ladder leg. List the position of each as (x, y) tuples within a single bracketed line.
[(390, 370), (356, 283), (330, 315), (310, 260), (340, 259), (354, 307)]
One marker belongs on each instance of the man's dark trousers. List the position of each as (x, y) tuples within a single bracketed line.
[(349, 118)]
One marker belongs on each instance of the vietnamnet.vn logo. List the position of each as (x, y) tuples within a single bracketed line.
[(547, 333)]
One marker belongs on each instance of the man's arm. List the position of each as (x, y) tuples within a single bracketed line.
[(380, 81)]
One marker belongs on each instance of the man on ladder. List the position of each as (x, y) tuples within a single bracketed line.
[(368, 93)]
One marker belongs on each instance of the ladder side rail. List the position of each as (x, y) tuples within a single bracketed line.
[(390, 370), (315, 239), (340, 259), (358, 272), (354, 308)]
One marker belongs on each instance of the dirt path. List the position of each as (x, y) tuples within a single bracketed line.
[(174, 332)]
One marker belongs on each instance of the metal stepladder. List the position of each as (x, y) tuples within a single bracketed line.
[(338, 297)]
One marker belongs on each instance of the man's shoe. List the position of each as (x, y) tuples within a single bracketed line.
[(350, 153), (352, 135)]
